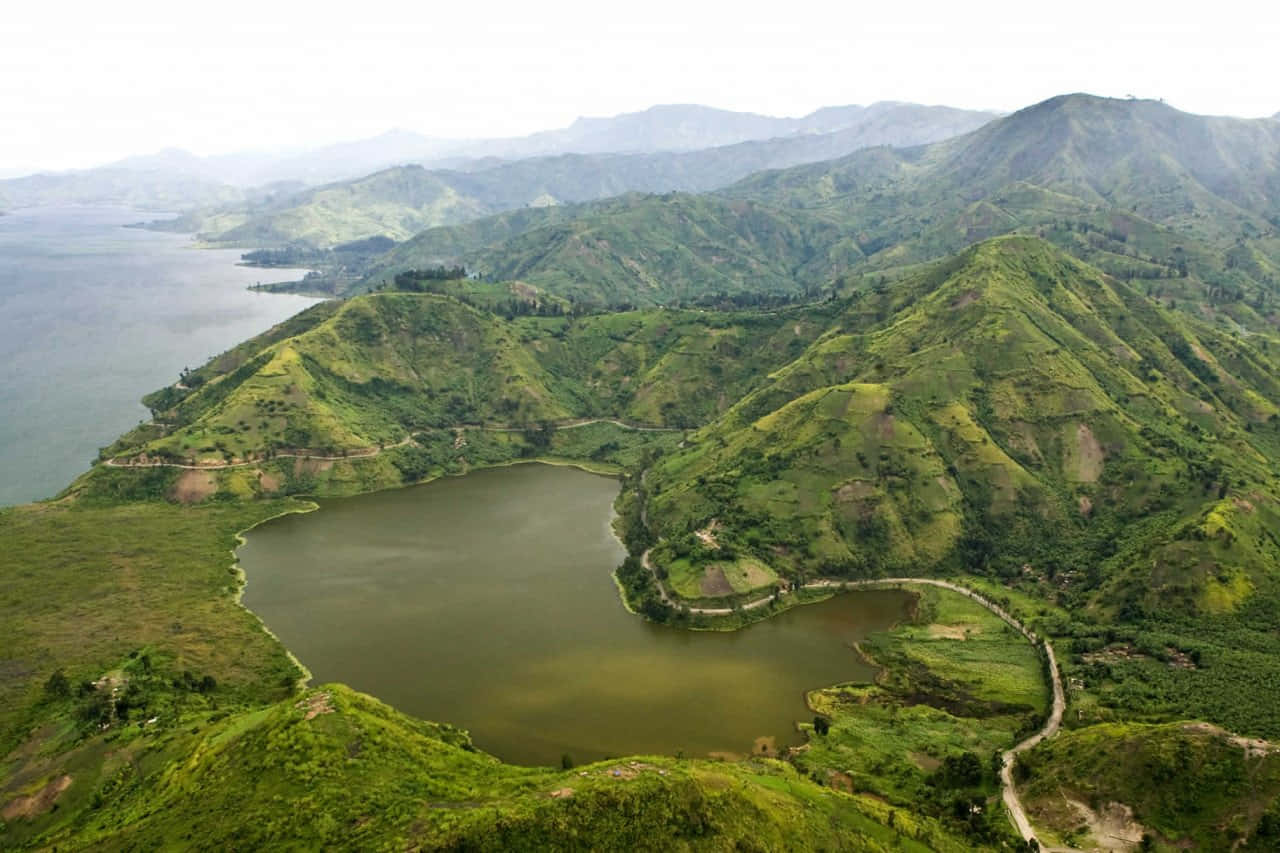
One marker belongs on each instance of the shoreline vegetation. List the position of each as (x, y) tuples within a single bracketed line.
[(811, 592)]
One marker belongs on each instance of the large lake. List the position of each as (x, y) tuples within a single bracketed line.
[(94, 315), (487, 601)]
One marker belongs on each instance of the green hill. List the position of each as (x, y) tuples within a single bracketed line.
[(1185, 206), (1188, 204), (1181, 785), (366, 372), (1011, 409), (1007, 392)]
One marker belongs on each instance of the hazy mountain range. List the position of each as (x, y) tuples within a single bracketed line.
[(176, 179), (1135, 187), (403, 200)]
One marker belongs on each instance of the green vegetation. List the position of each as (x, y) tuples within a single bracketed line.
[(1175, 203), (369, 371), (1178, 785), (358, 774), (143, 707), (88, 583), (1040, 357), (958, 687)]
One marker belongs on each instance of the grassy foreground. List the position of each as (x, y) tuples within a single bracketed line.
[(143, 707)]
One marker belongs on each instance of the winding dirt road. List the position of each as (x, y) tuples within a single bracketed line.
[(369, 452), (356, 453), (1009, 792)]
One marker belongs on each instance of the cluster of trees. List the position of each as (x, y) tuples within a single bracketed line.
[(420, 281), (143, 690)]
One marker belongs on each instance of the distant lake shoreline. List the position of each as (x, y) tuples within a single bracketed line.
[(93, 315)]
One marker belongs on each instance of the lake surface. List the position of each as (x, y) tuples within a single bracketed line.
[(487, 601), (94, 315)]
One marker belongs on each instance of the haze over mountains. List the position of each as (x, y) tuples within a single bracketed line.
[(172, 175)]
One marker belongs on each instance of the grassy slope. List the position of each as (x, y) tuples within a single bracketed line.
[(199, 750), (957, 680), (1009, 391), (641, 250), (85, 585), (362, 775), (1189, 785), (372, 369)]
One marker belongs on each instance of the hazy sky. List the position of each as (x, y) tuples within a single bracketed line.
[(83, 83)]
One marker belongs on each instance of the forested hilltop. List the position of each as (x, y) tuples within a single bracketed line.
[(1039, 361)]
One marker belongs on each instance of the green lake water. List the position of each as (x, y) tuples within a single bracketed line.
[(487, 601)]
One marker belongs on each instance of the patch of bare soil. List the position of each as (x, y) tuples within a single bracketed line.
[(1253, 747), (855, 490), (707, 535), (1088, 455), (630, 770), (884, 425), (840, 781), (765, 745), (964, 300), (561, 793), (1122, 351), (1086, 506), (1112, 827), (311, 466), (950, 632), (927, 763), (39, 802), (1113, 654), (268, 482), (715, 584), (316, 704), (192, 487)]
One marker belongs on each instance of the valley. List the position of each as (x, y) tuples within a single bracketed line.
[(940, 488)]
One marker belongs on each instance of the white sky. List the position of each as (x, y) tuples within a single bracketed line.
[(83, 83)]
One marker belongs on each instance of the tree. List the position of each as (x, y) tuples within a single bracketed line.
[(821, 726), (58, 686)]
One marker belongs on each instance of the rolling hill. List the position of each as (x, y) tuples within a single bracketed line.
[(1010, 412), (1010, 409)]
